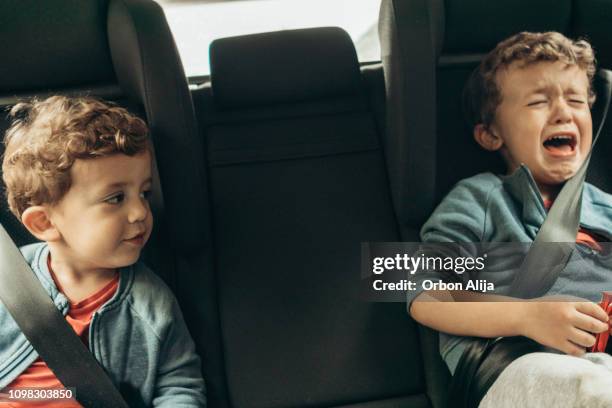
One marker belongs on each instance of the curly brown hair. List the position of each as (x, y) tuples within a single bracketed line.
[(46, 137), (482, 95)]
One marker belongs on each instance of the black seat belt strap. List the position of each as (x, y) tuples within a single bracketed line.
[(49, 333)]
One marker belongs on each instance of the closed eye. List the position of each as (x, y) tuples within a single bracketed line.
[(538, 102)]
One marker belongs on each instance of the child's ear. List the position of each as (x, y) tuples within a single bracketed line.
[(486, 137), (36, 220)]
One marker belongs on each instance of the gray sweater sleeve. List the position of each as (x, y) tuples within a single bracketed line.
[(179, 379), (461, 218)]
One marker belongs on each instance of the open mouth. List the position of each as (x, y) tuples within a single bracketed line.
[(561, 144)]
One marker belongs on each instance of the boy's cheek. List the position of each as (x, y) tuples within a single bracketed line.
[(150, 223)]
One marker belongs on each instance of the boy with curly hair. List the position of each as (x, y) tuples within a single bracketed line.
[(78, 176), (531, 97)]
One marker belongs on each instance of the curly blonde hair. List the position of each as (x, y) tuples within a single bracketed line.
[(46, 137), (482, 95)]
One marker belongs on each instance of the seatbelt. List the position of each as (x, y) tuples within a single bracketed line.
[(49, 333), (547, 256)]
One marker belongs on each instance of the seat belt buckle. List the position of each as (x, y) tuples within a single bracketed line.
[(601, 339)]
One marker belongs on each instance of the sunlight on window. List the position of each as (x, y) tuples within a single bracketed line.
[(195, 24)]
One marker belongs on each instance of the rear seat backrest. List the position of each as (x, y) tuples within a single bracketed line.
[(297, 182)]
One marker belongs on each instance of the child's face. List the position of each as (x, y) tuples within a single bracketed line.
[(104, 219), (544, 120)]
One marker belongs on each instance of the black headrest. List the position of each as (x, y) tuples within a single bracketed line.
[(57, 44), (592, 20), (476, 26), (285, 66), (470, 27)]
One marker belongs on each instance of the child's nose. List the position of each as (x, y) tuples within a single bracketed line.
[(561, 111), (138, 210)]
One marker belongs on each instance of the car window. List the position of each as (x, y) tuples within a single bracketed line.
[(196, 23)]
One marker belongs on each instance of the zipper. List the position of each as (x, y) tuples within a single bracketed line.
[(92, 325), (534, 189)]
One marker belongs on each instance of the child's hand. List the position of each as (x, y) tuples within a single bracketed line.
[(567, 325)]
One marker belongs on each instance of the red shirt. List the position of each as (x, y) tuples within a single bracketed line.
[(38, 375)]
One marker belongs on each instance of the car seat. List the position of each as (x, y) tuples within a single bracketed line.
[(297, 181)]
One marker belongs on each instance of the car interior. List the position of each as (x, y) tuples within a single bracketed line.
[(275, 168)]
